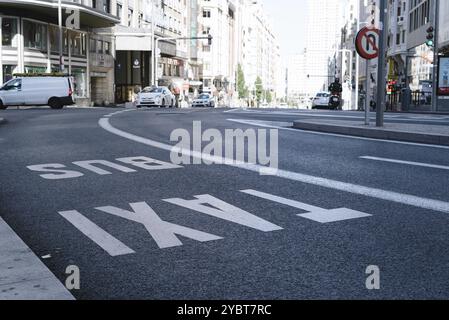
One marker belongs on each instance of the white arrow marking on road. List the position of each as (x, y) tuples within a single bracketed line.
[(225, 211), (164, 233), (317, 214), (411, 163), (401, 198), (103, 239)]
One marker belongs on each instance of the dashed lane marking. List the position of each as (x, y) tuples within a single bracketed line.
[(410, 163)]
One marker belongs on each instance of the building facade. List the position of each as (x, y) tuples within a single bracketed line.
[(30, 43)]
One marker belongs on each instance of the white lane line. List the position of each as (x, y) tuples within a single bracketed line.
[(266, 124), (401, 198), (411, 163), (393, 117), (23, 276), (107, 242)]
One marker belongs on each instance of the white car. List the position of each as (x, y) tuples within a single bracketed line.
[(321, 100), (55, 92), (204, 100), (155, 97)]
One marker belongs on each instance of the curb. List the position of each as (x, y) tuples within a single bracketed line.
[(374, 133)]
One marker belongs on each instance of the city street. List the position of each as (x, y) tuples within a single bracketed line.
[(336, 206)]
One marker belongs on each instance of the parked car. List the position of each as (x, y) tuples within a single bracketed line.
[(55, 92), (204, 100), (321, 100), (155, 97)]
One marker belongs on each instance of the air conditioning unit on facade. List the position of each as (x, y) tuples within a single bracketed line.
[(401, 20)]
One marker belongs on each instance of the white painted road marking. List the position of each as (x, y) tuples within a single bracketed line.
[(103, 239), (163, 232), (23, 276), (269, 124), (401, 198), (58, 170), (317, 214), (410, 163), (217, 208)]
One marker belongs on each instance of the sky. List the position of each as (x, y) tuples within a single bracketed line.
[(289, 23)]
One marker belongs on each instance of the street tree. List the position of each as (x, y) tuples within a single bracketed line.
[(241, 85), (259, 89)]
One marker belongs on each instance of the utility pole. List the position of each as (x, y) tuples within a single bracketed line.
[(435, 57), (381, 73), (61, 64)]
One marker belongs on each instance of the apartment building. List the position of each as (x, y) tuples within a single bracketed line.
[(219, 63), (259, 53), (141, 22), (29, 38)]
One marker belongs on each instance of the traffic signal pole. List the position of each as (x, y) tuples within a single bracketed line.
[(381, 73)]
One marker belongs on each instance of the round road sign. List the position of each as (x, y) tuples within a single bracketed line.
[(367, 43)]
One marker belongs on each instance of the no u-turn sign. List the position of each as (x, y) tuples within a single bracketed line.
[(367, 43)]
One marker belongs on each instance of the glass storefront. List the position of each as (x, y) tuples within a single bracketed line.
[(79, 78)]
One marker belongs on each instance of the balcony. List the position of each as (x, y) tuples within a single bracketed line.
[(89, 17)]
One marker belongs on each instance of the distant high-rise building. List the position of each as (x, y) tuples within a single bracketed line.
[(323, 36)]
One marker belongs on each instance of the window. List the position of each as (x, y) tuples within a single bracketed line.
[(54, 39), (206, 13), (9, 31), (92, 45), (35, 35), (107, 6), (100, 47), (78, 44), (130, 17), (13, 85), (8, 71), (107, 47), (119, 11)]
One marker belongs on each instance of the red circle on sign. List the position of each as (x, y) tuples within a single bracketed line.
[(367, 43)]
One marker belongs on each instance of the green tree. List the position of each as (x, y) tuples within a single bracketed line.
[(241, 85), (268, 96), (259, 89)]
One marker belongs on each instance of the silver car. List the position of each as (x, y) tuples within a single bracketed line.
[(204, 100), (155, 97)]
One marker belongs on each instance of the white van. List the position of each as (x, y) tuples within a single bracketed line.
[(55, 92)]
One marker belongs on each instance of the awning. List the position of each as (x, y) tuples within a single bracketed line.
[(89, 17)]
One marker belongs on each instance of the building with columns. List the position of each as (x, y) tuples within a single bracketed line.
[(29, 36)]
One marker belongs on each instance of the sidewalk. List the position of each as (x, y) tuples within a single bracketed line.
[(418, 133)]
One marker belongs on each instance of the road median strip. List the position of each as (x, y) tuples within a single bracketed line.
[(430, 134)]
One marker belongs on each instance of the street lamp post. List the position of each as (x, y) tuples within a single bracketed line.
[(61, 64)]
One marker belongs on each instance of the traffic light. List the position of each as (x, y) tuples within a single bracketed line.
[(430, 37), (209, 40)]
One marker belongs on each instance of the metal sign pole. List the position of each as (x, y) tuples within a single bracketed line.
[(381, 75)]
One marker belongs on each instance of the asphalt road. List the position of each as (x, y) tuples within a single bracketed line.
[(398, 217)]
